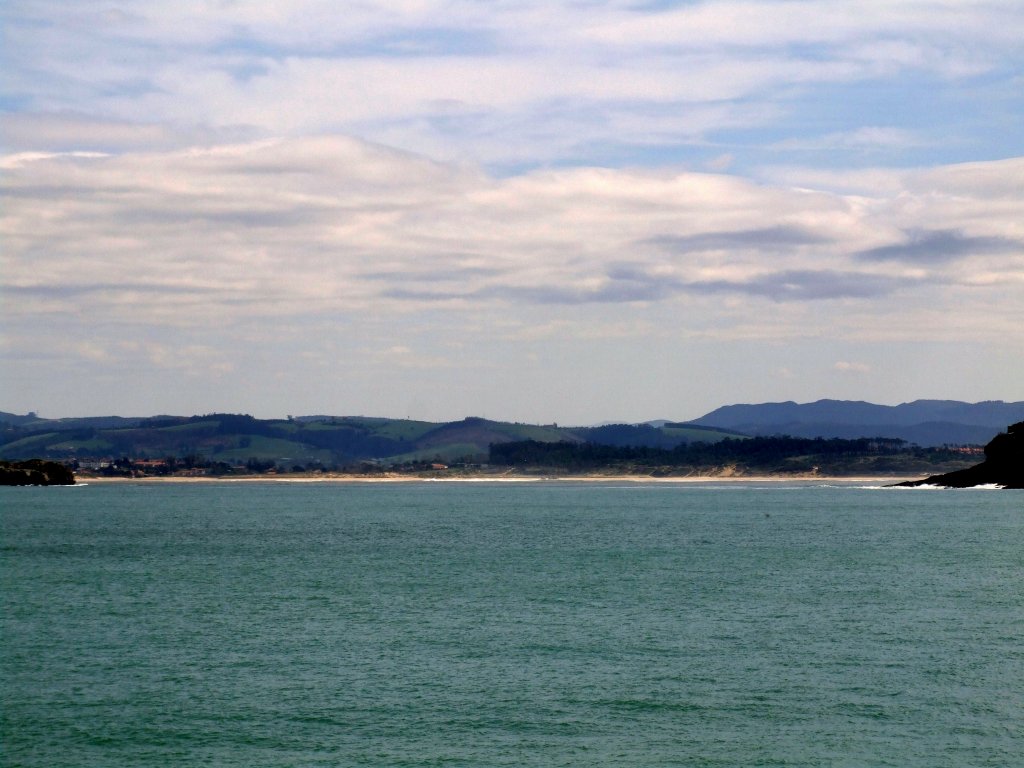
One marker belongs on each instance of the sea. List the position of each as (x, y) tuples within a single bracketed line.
[(511, 624)]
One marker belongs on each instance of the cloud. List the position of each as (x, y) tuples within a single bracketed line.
[(449, 275), (720, 163), (924, 246), (402, 356), (758, 24), (807, 285), (515, 83), (844, 366), (768, 238), (59, 131), (863, 138), (330, 226)]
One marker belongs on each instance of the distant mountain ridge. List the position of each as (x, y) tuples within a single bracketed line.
[(924, 422)]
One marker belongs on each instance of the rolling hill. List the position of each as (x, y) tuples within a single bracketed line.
[(327, 441), (340, 441)]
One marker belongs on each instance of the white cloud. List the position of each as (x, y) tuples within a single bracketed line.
[(84, 132), (506, 82), (302, 227), (866, 137), (760, 24), (844, 366)]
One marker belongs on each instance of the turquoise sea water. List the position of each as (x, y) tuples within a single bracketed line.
[(469, 624)]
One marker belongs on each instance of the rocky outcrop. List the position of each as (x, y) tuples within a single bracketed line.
[(1003, 465), (35, 472)]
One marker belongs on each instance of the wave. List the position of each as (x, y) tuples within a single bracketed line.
[(932, 487)]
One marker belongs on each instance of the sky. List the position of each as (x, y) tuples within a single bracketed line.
[(569, 212)]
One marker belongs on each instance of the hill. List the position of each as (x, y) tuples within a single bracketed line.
[(922, 422), (233, 440), (224, 442)]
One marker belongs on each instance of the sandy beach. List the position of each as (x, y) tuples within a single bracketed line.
[(400, 478)]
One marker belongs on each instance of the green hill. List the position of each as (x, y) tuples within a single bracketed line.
[(327, 441)]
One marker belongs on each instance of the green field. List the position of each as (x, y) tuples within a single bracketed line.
[(696, 435), (272, 449), (445, 454), (29, 447)]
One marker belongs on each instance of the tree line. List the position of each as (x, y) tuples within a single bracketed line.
[(781, 454)]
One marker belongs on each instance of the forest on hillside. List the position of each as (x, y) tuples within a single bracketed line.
[(759, 455)]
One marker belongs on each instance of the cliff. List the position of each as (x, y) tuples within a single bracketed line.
[(1003, 465), (35, 472)]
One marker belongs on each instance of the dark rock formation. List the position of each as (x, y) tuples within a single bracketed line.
[(35, 472), (1003, 465)]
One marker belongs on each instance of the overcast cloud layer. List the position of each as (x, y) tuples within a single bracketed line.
[(570, 212)]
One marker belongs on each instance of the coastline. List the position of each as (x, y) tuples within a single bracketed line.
[(343, 479)]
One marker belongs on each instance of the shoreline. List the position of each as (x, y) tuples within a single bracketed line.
[(342, 479)]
